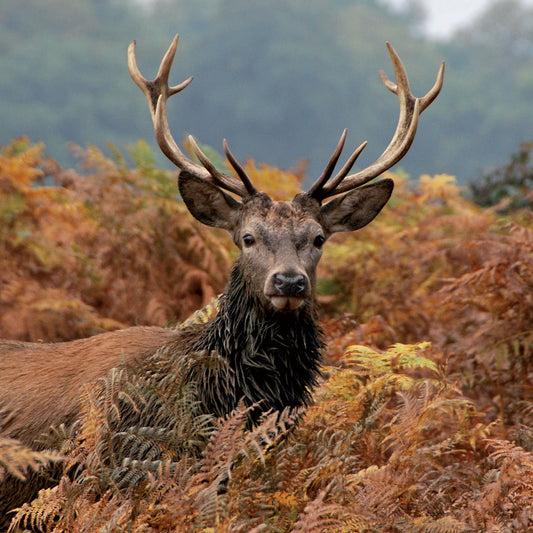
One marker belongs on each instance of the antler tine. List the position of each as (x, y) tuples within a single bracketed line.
[(399, 70), (317, 187), (410, 109), (347, 166), (247, 182), (219, 178), (427, 100), (157, 92), (155, 88)]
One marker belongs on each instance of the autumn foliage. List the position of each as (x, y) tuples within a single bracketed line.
[(81, 254), (421, 423)]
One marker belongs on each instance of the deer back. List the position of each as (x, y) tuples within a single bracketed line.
[(41, 384)]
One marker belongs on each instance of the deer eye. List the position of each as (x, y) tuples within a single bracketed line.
[(319, 241), (248, 240)]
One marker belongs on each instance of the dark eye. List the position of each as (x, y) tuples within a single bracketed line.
[(319, 241), (248, 240)]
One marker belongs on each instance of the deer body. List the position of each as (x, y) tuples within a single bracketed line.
[(266, 329), (41, 384)]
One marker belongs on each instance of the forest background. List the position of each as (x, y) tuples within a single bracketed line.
[(280, 80)]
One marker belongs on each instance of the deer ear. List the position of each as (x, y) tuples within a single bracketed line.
[(207, 203), (356, 208)]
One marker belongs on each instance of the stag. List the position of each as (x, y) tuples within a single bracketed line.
[(266, 328)]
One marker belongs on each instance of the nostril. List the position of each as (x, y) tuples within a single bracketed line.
[(279, 281), (300, 283), (291, 285)]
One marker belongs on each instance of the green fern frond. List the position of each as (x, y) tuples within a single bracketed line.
[(135, 443), (158, 396), (398, 358), (111, 393), (128, 477)]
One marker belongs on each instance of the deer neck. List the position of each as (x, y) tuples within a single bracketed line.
[(273, 358)]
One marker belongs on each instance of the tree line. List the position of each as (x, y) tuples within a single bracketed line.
[(280, 80)]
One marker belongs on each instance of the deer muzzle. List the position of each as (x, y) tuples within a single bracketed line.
[(287, 290)]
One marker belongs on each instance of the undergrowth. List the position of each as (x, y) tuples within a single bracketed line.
[(389, 445), (422, 420), (85, 253)]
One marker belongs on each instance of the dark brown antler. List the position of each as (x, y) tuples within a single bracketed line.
[(410, 109), (157, 92)]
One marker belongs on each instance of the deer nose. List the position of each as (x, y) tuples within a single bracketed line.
[(290, 284)]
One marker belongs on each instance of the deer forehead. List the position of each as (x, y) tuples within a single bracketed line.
[(279, 221)]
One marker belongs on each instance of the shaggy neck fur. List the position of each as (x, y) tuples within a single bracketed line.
[(272, 358)]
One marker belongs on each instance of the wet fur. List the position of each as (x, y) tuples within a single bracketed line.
[(273, 357)]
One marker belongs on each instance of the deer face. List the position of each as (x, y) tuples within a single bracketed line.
[(281, 245), (281, 242)]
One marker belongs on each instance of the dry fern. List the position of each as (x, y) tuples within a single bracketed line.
[(70, 253), (403, 436), (17, 460)]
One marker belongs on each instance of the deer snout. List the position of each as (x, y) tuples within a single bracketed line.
[(287, 290), (290, 285)]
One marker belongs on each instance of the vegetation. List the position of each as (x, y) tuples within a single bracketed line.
[(422, 420), (508, 186), (279, 79), (94, 252)]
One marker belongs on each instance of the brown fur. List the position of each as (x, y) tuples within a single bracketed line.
[(41, 384)]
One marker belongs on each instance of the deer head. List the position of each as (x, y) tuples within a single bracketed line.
[(281, 242)]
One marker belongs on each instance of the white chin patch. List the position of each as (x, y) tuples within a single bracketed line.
[(286, 303)]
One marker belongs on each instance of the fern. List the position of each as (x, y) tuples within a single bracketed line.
[(318, 516), (114, 227), (397, 359), (17, 460), (40, 513), (427, 525), (403, 436)]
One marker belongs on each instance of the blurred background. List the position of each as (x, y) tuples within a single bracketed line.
[(278, 79)]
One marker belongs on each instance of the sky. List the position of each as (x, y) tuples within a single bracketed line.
[(445, 16)]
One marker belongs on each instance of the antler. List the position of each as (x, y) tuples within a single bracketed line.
[(157, 92), (410, 109)]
